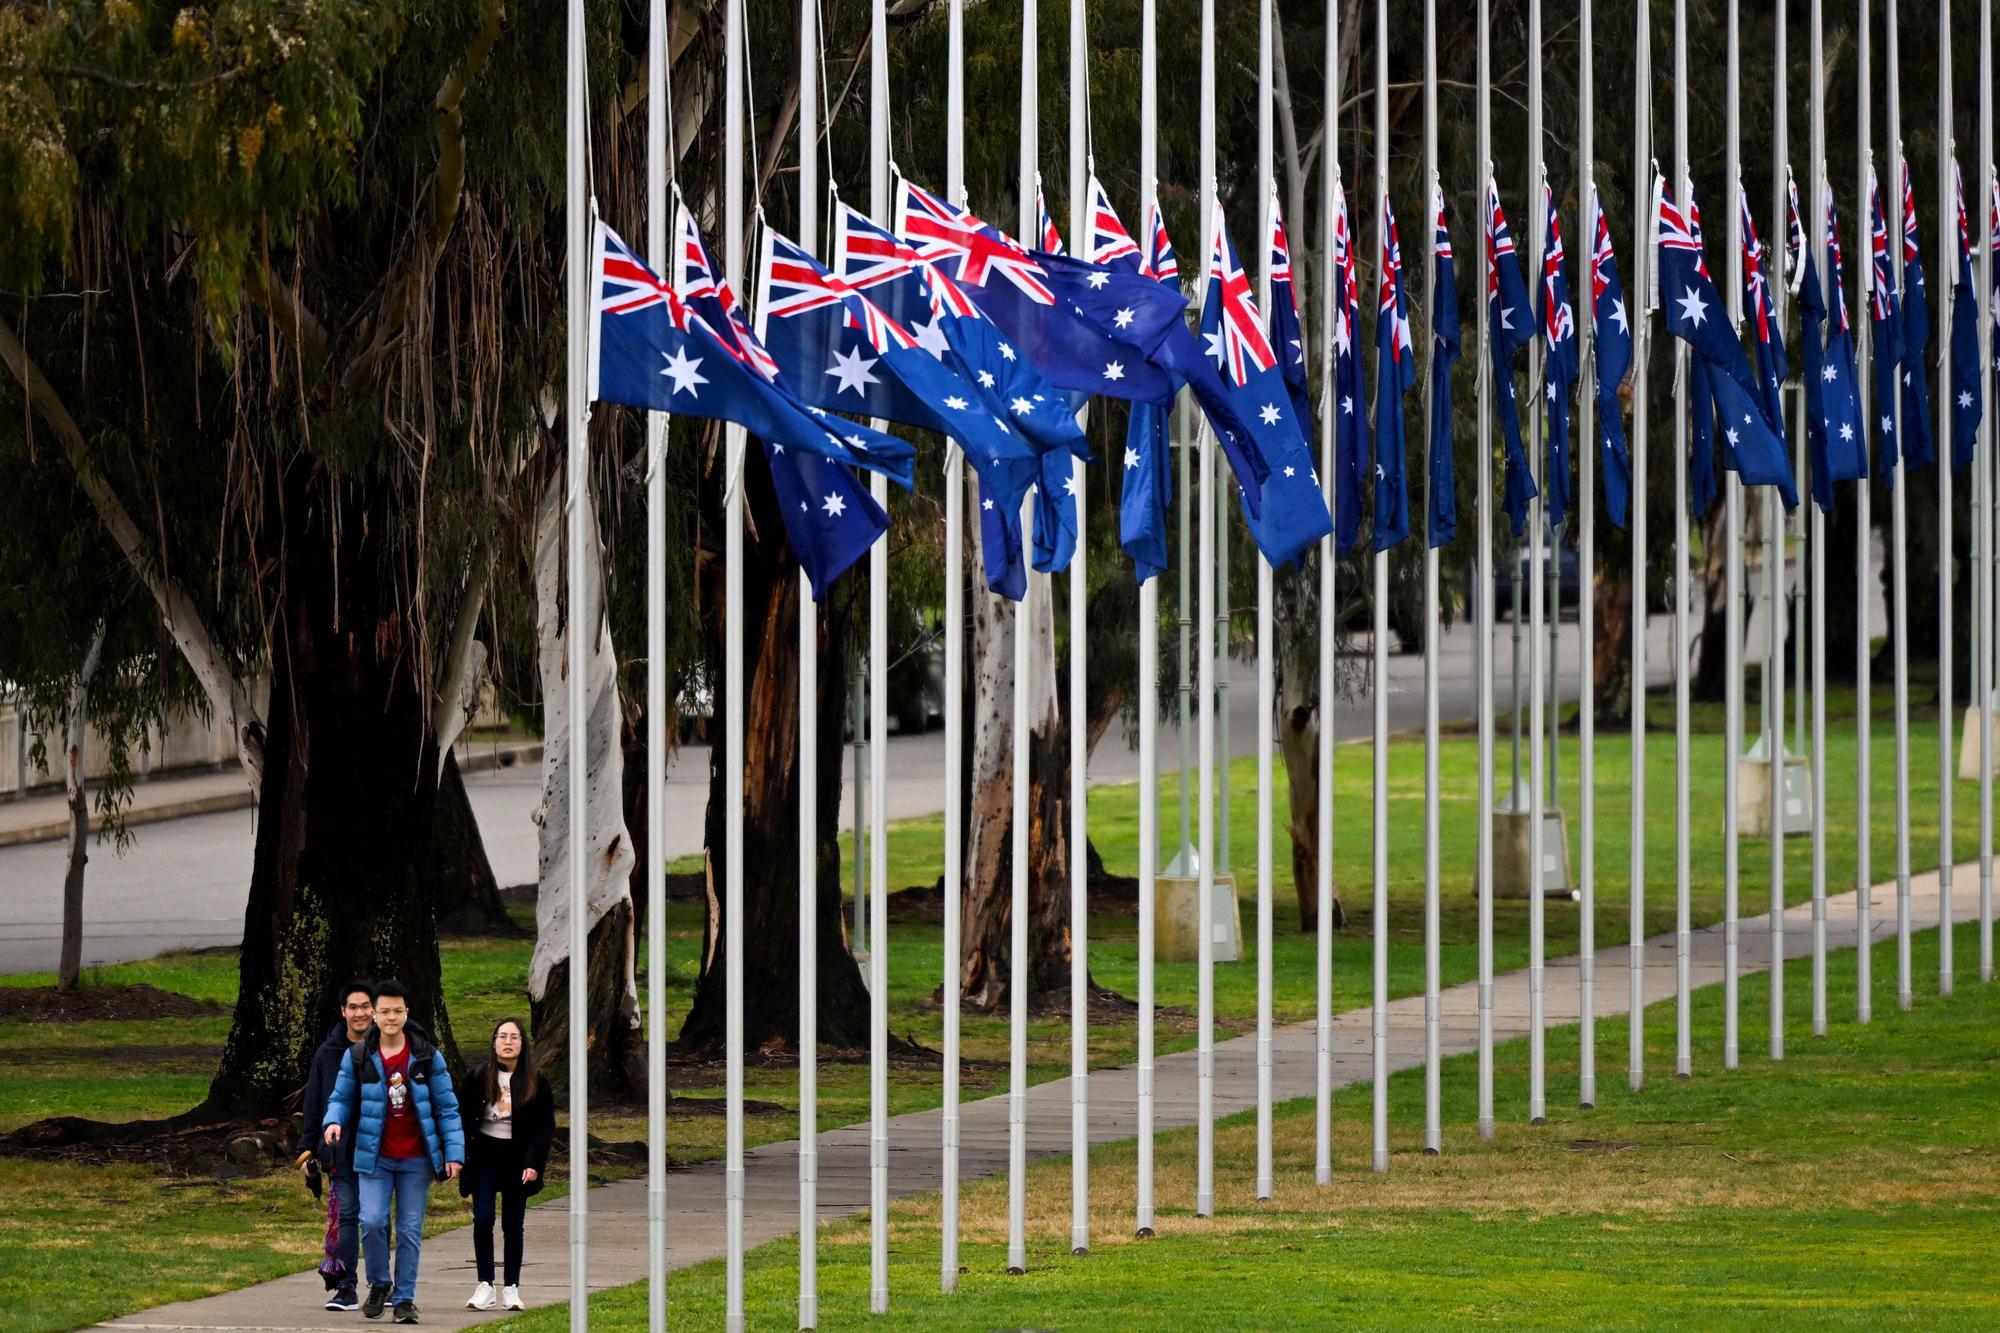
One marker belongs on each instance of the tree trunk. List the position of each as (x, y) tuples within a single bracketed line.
[(616, 1047), (987, 917), (1613, 654), (468, 900), (1298, 723), (770, 810), (342, 884), (70, 965)]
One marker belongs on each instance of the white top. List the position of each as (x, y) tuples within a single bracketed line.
[(499, 1121)]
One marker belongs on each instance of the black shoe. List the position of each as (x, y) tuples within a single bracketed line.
[(378, 1296), (406, 1312), (344, 1299)]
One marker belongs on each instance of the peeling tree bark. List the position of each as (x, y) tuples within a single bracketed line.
[(70, 964)]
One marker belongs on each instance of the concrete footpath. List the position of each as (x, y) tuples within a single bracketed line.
[(695, 1228)]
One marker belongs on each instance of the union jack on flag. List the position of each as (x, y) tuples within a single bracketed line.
[(1754, 282), (1441, 240), (1558, 320), (1602, 256), (1882, 287), (1401, 348), (1910, 251), (699, 283), (1244, 346), (629, 286), (977, 252), (869, 256), (1107, 240), (1158, 261), (1050, 239), (798, 285), (1836, 265)]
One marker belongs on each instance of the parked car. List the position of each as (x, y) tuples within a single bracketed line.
[(1506, 572)]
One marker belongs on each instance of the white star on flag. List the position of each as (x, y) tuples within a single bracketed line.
[(834, 506), (1829, 375), (1123, 319), (1291, 471), (1888, 425), (681, 370), (986, 379), (955, 403), (1347, 405), (1099, 279), (1069, 484), (1618, 317), (986, 504), (1022, 405), (1506, 317), (859, 442), (1846, 430), (1964, 399), (931, 337), (1693, 309), (1114, 371), (777, 448), (1131, 459), (1379, 473), (1214, 346), (1268, 414), (1006, 351), (817, 411), (852, 372), (1733, 437)]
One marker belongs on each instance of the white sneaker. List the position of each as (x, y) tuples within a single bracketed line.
[(482, 1297), (510, 1299)]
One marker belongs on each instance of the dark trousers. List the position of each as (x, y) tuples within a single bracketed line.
[(495, 1169), (347, 1192)]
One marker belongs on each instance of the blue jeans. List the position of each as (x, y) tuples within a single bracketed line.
[(409, 1179), (347, 1193)]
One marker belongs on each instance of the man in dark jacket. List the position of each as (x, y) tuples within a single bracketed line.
[(394, 1108), (357, 1015)]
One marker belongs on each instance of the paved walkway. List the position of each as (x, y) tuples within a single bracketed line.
[(618, 1211)]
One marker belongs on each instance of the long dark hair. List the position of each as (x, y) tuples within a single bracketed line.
[(526, 1075)]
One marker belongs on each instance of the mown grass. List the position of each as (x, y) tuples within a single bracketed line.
[(1855, 1184)]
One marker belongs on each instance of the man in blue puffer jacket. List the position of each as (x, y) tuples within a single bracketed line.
[(394, 1099)]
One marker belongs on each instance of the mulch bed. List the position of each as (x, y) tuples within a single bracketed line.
[(1110, 895), (46, 1004)]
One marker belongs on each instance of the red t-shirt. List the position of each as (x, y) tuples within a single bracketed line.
[(402, 1136)]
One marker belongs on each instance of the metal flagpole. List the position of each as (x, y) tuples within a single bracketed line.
[(1683, 925), (1774, 548), (1899, 614), (1024, 611), (1732, 564), (1433, 1035), (1323, 871), (576, 411), (1149, 658), (732, 690), (1483, 637), (1079, 733), (1586, 595), (808, 1042), (657, 170), (1642, 261), (1816, 209), (1380, 1016), (1947, 156), (1983, 669), (954, 694), (1537, 542), (1864, 529), (1204, 1190), (878, 734), (1266, 682)]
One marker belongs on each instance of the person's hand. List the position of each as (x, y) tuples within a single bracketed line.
[(332, 1134), (307, 1164), (528, 1176), (451, 1170)]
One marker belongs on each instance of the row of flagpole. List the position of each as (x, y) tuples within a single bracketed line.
[(731, 210)]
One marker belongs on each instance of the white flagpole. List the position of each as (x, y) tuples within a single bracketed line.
[(808, 1041), (577, 464), (1983, 670), (1732, 579), (1149, 666), (1642, 268), (1817, 220), (733, 691), (657, 171), (954, 694), (1380, 1016), (1433, 1023), (1323, 984), (1204, 1190), (1017, 984), (1947, 262), (1864, 528), (1538, 539), (1586, 600), (1079, 713), (878, 739), (1683, 578), (1899, 614), (1266, 682), (1483, 623), (1774, 545)]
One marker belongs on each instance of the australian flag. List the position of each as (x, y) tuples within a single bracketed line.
[(1967, 384), (830, 518), (1560, 366), (1508, 312), (1350, 420), (1694, 313), (1704, 481), (1919, 448), (1835, 439), (1442, 524), (1886, 326), (1149, 478), (1288, 338), (1050, 239), (1772, 366), (1611, 345), (1395, 375)]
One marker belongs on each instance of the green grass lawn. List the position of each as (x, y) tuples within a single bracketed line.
[(1855, 1184), (89, 1068)]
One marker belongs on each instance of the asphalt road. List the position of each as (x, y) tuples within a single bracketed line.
[(183, 883)]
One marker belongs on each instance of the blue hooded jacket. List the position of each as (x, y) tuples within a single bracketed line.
[(360, 1102)]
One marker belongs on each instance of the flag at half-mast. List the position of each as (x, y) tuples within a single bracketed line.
[(1395, 376), (1350, 418), (1442, 522), (1288, 337), (1611, 348), (1967, 384), (1772, 367), (1919, 447), (1508, 314), (1836, 443), (1704, 480), (1148, 485), (1886, 333), (1557, 318), (1050, 238)]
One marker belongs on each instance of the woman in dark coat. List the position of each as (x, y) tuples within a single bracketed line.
[(510, 1120)]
